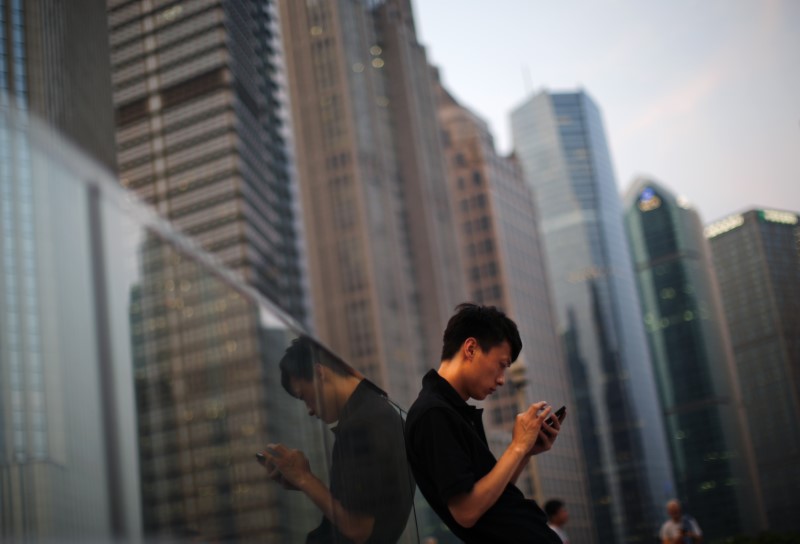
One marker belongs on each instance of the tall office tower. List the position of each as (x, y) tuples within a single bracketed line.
[(712, 454), (757, 260), (201, 131), (384, 269), (560, 143), (53, 421), (499, 239), (54, 62)]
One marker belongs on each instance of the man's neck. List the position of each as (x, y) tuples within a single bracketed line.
[(450, 370)]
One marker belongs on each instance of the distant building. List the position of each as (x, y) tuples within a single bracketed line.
[(560, 143), (201, 131), (712, 454), (498, 236), (757, 260), (383, 267)]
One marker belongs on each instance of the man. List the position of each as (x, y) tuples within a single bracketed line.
[(371, 491), (470, 490), (680, 529), (557, 517)]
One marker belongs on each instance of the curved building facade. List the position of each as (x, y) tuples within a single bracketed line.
[(694, 367)]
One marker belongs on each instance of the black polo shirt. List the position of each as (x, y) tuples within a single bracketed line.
[(448, 452), (369, 474)]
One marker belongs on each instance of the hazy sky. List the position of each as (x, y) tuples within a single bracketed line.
[(703, 95)]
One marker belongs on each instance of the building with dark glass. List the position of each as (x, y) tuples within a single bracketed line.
[(560, 143), (498, 236), (384, 271), (201, 126), (756, 256), (699, 388)]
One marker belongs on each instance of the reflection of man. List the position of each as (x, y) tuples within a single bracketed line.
[(470, 490), (680, 529), (370, 492)]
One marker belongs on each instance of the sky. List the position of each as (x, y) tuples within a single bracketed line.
[(703, 96)]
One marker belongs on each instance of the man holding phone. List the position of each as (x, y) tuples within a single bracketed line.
[(369, 497), (470, 490)]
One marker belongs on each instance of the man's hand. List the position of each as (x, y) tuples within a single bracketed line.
[(547, 436), (528, 425), (288, 467)]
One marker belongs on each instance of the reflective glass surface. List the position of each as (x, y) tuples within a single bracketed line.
[(139, 380)]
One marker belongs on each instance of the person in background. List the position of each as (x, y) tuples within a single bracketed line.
[(680, 528), (557, 517)]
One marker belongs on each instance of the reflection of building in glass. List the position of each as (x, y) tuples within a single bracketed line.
[(712, 455), (200, 131), (560, 143), (499, 240), (206, 403), (52, 427), (384, 274), (757, 260)]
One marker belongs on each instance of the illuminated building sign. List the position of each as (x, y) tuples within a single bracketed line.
[(648, 200), (776, 216), (724, 225)]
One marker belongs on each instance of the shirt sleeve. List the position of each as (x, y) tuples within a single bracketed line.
[(443, 453)]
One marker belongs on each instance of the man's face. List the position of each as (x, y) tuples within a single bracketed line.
[(487, 370), (317, 398), (674, 511)]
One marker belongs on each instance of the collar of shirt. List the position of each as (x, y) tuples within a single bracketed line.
[(434, 381), (357, 398)]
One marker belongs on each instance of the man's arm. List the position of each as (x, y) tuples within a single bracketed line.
[(547, 436), (467, 508), (296, 471)]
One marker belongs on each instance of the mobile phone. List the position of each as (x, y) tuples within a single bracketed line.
[(560, 413), (261, 458)]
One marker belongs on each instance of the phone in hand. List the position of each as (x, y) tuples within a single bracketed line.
[(560, 413), (261, 458)]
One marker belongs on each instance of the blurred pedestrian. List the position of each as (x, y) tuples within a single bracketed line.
[(680, 528), (557, 517)]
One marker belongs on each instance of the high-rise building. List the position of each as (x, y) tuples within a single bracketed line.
[(499, 240), (560, 143), (757, 260), (54, 67), (712, 454), (383, 267), (201, 131), (54, 62)]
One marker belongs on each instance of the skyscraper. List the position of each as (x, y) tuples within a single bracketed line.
[(201, 131), (54, 422), (757, 260), (712, 454), (384, 271), (503, 261), (559, 141)]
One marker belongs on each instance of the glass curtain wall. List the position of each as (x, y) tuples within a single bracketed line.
[(139, 379)]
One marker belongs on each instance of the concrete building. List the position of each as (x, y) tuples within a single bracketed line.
[(560, 143), (201, 131), (384, 271), (699, 388), (756, 256), (498, 235)]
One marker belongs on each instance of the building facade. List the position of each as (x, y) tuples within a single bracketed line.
[(757, 261), (201, 131), (560, 143), (502, 257), (712, 453), (54, 76), (383, 266)]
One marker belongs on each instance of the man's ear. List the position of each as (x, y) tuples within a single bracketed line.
[(469, 347), (320, 372)]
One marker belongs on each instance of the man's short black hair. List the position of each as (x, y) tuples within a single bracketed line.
[(552, 507), (298, 362), (488, 325)]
